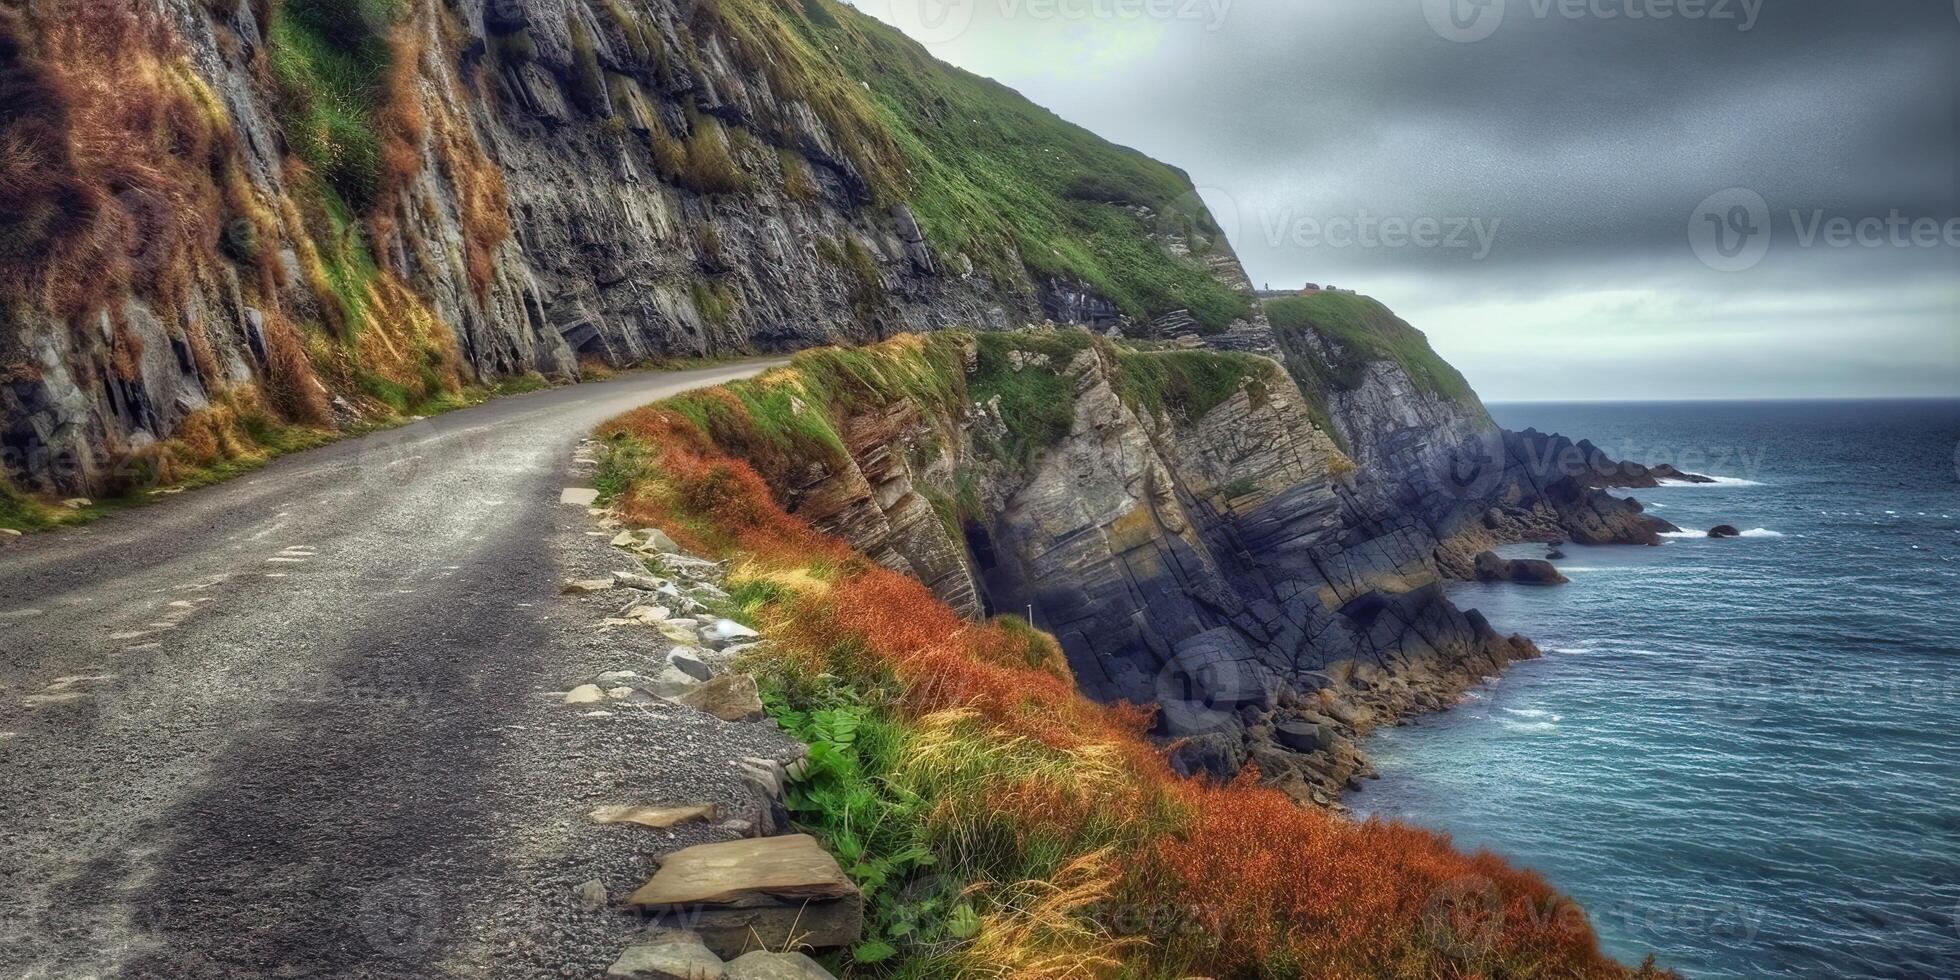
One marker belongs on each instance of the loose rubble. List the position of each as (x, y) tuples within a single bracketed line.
[(748, 904), (757, 894)]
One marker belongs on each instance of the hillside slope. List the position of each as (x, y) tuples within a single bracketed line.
[(1192, 541), (229, 226)]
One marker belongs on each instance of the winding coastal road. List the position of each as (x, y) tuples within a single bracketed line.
[(299, 724)]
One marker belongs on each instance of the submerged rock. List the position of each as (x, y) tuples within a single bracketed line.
[(1724, 531)]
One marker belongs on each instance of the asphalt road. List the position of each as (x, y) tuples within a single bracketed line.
[(299, 724)]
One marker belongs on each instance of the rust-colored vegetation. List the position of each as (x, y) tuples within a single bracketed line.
[(109, 152), (1076, 850)]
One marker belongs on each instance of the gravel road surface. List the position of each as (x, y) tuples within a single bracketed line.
[(301, 724)]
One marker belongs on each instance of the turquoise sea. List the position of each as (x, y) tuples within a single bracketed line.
[(1740, 755)]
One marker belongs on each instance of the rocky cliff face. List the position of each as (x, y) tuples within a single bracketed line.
[(1197, 540), (1188, 533), (218, 232)]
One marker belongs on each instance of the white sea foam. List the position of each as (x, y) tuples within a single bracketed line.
[(1715, 481), (1570, 649), (1754, 532), (1527, 726), (1533, 713)]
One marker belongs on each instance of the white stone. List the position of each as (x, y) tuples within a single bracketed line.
[(650, 615), (723, 632), (578, 496), (585, 694), (587, 586)]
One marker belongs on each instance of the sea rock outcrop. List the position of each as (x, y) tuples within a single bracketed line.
[(1526, 571)]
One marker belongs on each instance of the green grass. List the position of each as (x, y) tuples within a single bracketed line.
[(328, 58), (1037, 404), (1185, 386), (1368, 331), (1017, 189)]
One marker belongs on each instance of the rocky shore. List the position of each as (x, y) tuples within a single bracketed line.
[(1219, 554)]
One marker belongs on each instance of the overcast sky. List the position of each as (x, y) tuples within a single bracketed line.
[(1577, 199)]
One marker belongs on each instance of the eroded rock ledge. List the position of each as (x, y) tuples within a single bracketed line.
[(1217, 553)]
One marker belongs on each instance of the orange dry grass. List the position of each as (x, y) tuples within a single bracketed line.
[(1253, 884), (108, 146), (479, 184)]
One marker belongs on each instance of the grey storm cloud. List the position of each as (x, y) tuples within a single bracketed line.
[(1578, 139)]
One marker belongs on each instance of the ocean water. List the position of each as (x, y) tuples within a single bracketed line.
[(1743, 755)]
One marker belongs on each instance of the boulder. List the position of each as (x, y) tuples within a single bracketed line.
[(1525, 571), (578, 496), (8, 536), (761, 965), (1302, 735), (657, 540), (733, 697), (762, 893), (668, 954), (1724, 531), (638, 580), (1554, 555), (672, 683)]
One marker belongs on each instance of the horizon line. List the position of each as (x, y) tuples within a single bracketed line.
[(1735, 398)]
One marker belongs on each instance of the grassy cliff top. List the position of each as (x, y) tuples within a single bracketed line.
[(991, 175), (1360, 330)]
